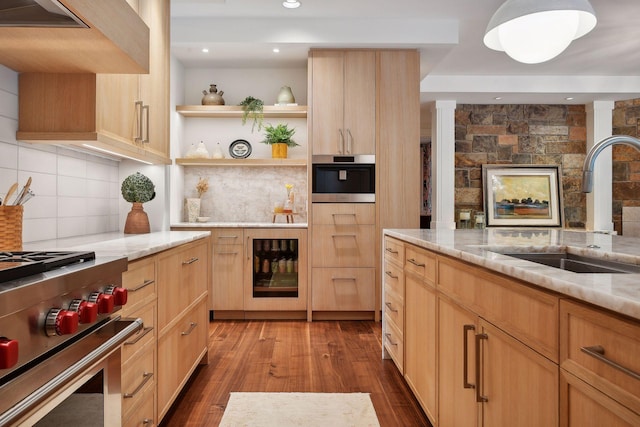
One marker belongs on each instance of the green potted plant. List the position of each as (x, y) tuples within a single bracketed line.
[(280, 138), (253, 108), (137, 189)]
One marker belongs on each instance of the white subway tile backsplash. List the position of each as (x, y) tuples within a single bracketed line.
[(98, 171), (42, 184), (69, 227), (33, 160), (41, 207), (39, 229), (8, 105), (8, 128), (71, 186), (71, 166), (97, 224), (98, 189), (8, 155), (7, 178), (98, 207), (72, 207)]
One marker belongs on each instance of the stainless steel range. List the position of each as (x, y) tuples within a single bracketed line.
[(59, 331)]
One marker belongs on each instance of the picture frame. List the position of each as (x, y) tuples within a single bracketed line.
[(522, 195)]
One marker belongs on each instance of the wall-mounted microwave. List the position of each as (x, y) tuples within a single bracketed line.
[(343, 179)]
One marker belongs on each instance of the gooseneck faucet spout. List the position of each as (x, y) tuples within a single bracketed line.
[(589, 161)]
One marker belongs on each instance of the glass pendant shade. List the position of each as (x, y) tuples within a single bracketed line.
[(534, 31)]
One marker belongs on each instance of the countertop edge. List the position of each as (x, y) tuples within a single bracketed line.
[(238, 225)]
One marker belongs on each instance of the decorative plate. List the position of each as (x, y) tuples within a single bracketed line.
[(240, 149)]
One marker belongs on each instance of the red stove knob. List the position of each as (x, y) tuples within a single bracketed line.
[(8, 353), (87, 311), (119, 294), (61, 322), (104, 301)]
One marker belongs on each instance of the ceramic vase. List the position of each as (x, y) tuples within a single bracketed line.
[(192, 209), (137, 220), (285, 96)]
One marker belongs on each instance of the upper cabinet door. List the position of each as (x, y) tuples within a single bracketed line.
[(343, 101)]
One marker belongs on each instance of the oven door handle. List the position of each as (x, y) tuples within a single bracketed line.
[(41, 395)]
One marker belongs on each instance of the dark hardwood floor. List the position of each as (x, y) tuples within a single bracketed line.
[(295, 356)]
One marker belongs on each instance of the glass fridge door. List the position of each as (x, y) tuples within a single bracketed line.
[(275, 268)]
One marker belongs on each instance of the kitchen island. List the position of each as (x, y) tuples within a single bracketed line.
[(487, 338)]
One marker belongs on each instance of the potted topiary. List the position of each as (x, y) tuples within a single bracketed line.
[(137, 189), (254, 108), (279, 137)]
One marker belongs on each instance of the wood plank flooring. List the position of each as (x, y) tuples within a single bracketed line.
[(295, 356)]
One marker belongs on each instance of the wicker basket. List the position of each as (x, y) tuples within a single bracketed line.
[(11, 228)]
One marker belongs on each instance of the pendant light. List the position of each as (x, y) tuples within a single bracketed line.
[(291, 4), (534, 31)]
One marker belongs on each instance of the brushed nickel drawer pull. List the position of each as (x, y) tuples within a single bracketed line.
[(388, 335), (391, 251), (227, 253), (145, 379), (343, 235), (416, 263), (192, 326), (346, 213), (388, 273), (479, 397), (465, 356), (341, 142), (597, 351), (143, 285), (147, 421), (145, 331), (227, 237), (388, 304), (146, 139), (190, 261), (344, 278)]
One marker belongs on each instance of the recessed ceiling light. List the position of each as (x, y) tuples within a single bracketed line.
[(569, 98), (205, 50), (498, 98), (291, 4), (276, 50)]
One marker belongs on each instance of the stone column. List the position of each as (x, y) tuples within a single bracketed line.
[(443, 150), (599, 201)]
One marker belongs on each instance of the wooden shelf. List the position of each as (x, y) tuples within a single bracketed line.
[(241, 162), (222, 111)]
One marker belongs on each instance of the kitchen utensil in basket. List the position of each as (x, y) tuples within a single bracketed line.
[(11, 228)]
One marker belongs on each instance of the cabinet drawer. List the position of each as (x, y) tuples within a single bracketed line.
[(393, 343), (142, 415), (505, 302), (420, 262), (394, 310), (596, 346), (182, 278), (344, 213), (227, 236), (343, 289), (146, 335), (140, 282), (138, 375), (179, 351), (343, 246), (393, 279), (394, 250)]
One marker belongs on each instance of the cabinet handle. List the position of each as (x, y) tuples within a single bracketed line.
[(147, 421), (246, 248), (349, 141), (192, 326), (190, 261), (227, 253), (388, 335), (145, 331), (139, 106), (388, 273), (227, 237), (343, 278), (343, 235), (145, 378), (391, 251), (143, 285), (416, 263), (388, 304), (597, 351), (465, 355), (146, 139), (479, 397), (341, 142)]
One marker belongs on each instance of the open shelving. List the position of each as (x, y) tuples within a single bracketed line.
[(230, 111)]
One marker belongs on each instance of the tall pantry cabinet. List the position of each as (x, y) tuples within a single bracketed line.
[(364, 101)]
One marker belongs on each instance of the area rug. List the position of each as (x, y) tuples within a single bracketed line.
[(299, 410)]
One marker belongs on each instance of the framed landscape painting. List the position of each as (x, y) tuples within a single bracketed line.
[(522, 195)]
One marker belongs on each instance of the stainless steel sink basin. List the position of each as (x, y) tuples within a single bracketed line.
[(576, 263)]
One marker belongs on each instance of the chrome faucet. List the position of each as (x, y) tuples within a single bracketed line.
[(589, 161)]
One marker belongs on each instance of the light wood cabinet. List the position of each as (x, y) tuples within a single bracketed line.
[(124, 114), (600, 367), (393, 318), (343, 101), (227, 285), (139, 352), (343, 258)]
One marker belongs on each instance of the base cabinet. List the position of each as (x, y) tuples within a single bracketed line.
[(226, 293)]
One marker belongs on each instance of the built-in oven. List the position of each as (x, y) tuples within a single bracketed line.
[(343, 179)]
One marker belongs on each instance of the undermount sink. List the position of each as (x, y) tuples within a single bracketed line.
[(576, 263)]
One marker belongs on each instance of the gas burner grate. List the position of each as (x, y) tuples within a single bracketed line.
[(16, 265)]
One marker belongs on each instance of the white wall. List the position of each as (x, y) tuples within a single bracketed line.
[(76, 193)]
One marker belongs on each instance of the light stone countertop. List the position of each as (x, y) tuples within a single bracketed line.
[(238, 225), (131, 246), (616, 292)]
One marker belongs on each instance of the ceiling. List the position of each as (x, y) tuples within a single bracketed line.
[(455, 65)]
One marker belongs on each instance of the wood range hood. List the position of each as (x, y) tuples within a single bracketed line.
[(115, 40)]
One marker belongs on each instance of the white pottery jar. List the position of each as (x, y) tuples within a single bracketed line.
[(192, 209), (286, 96)]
